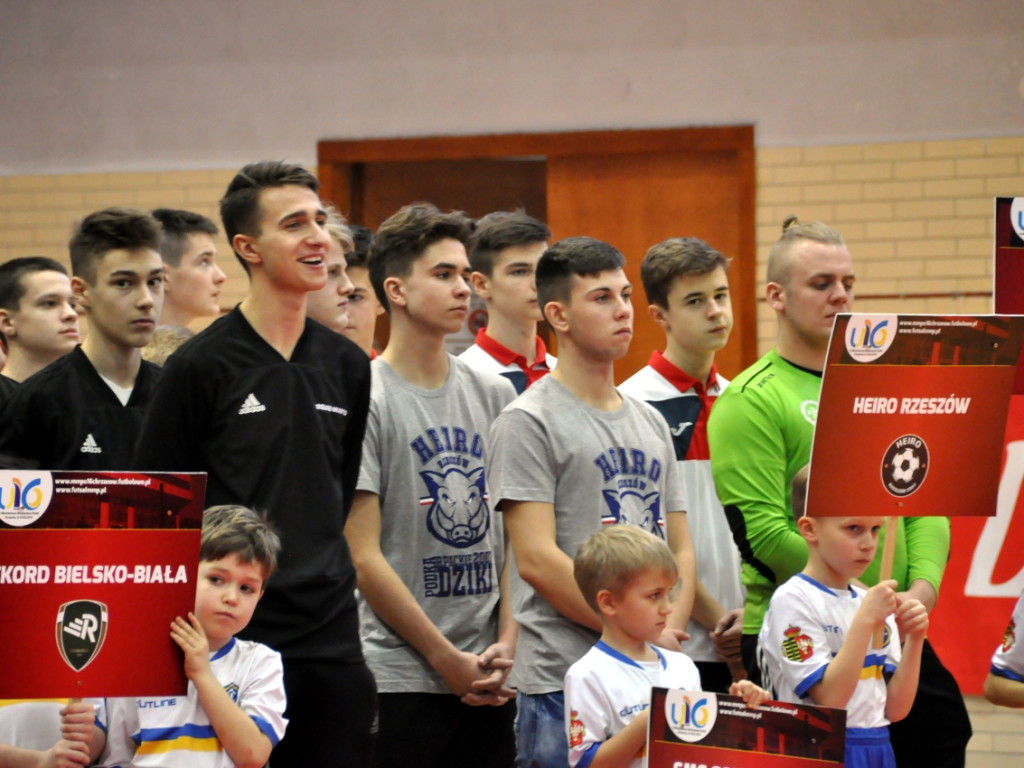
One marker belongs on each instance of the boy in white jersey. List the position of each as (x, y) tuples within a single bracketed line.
[(504, 260), (818, 637), (428, 547), (687, 291), (628, 577), (233, 713), (1005, 682)]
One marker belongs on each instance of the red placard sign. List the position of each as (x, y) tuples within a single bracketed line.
[(912, 413), (696, 728), (93, 569)]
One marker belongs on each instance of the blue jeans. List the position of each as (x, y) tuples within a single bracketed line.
[(540, 731)]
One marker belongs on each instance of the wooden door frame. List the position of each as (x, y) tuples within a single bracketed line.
[(340, 172)]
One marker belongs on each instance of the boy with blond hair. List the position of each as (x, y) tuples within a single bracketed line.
[(628, 577), (233, 713), (838, 644)]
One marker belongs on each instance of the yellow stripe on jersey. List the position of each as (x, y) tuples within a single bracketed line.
[(184, 743)]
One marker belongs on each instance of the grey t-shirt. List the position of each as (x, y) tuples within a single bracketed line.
[(597, 468), (424, 455)]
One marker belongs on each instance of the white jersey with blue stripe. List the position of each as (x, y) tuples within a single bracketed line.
[(174, 731), (1008, 660), (35, 723), (605, 690), (803, 631)]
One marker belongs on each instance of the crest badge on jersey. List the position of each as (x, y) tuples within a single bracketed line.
[(577, 731), (1010, 636), (797, 646), (81, 630)]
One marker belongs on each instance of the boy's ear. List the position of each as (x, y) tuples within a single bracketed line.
[(557, 315), (245, 247), (807, 528), (395, 291), (79, 288), (606, 602), (775, 296), (6, 324), (658, 315), (481, 285)]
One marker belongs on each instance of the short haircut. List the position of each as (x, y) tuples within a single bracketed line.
[(178, 227), (793, 232), (617, 554), (798, 494), (406, 235), (240, 206), (166, 340), (339, 229), (671, 259), (231, 529), (361, 238), (500, 230), (109, 230), (570, 258), (12, 272)]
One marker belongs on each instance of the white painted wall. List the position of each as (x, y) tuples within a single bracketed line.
[(120, 85)]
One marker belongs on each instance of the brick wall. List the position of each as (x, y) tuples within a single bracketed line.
[(917, 217)]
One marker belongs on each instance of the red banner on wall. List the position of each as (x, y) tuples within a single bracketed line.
[(93, 569), (985, 574)]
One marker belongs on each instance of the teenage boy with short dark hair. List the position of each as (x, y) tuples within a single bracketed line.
[(687, 290), (83, 411), (272, 406), (193, 279), (38, 322), (567, 456), (429, 549), (504, 261)]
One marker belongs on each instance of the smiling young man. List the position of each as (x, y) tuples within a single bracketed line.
[(570, 455), (429, 549), (193, 279), (272, 405), (83, 411), (760, 433), (687, 290), (504, 261), (38, 320)]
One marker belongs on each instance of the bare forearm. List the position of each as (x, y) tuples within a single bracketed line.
[(395, 605), (902, 688), (679, 541), (706, 609), (843, 672), (244, 742), (553, 579), (622, 748), (1004, 691)]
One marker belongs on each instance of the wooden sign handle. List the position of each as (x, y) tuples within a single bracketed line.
[(885, 572)]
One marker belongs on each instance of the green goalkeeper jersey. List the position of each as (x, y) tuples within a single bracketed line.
[(760, 433)]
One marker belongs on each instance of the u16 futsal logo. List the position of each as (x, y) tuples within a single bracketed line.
[(24, 496), (691, 714), (869, 336)]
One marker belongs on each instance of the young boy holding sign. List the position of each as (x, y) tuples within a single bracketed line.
[(233, 713), (627, 575), (818, 637)]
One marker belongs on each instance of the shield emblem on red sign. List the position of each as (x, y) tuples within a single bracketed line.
[(81, 630)]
